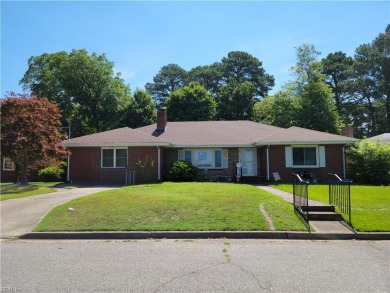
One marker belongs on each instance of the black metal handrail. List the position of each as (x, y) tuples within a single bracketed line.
[(301, 195), (340, 194)]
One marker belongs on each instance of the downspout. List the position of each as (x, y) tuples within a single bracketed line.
[(68, 157), (158, 164), (344, 164), (268, 176), (68, 169)]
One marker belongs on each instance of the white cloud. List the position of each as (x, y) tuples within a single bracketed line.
[(125, 74)]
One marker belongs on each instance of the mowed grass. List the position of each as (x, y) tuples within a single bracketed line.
[(174, 207), (11, 191), (370, 205)]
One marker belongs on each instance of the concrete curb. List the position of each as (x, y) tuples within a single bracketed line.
[(283, 235)]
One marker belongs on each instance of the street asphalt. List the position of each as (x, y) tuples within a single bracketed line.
[(213, 265)]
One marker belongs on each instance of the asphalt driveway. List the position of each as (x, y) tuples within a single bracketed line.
[(19, 216)]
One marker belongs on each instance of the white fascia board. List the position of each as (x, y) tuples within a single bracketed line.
[(188, 146), (305, 142), (115, 145)]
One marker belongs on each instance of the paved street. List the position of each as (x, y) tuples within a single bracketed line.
[(21, 215), (220, 265)]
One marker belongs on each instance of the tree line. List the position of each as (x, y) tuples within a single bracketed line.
[(324, 94)]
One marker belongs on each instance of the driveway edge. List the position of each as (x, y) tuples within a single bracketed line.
[(285, 235)]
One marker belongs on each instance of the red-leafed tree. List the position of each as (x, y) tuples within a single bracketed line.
[(30, 131)]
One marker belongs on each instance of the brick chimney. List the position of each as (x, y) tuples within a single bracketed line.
[(161, 119), (347, 131)]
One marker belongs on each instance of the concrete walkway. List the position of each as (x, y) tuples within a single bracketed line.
[(319, 226), (19, 216)]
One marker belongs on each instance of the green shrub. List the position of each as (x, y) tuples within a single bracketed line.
[(53, 173), (370, 162), (181, 171)]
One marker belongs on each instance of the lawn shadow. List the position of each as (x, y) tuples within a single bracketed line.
[(16, 188), (303, 220)]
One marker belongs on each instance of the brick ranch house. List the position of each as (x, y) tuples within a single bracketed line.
[(215, 147)]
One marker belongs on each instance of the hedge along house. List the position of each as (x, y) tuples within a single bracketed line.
[(215, 147)]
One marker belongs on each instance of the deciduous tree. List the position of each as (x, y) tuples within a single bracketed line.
[(83, 86), (370, 162), (281, 109), (141, 110), (236, 100), (191, 103), (317, 110), (30, 131)]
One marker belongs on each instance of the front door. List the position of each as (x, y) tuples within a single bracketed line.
[(248, 162)]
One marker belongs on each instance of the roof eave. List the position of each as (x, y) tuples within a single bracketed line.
[(261, 143), (114, 144), (241, 145)]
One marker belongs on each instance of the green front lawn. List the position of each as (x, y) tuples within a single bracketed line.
[(11, 191), (370, 205), (173, 207)]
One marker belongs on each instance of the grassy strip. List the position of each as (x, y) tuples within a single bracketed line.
[(370, 206), (11, 191), (173, 207)]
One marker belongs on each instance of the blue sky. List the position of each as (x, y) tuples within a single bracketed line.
[(141, 37)]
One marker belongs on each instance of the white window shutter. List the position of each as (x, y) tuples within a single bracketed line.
[(180, 155), (225, 159), (322, 159), (288, 151)]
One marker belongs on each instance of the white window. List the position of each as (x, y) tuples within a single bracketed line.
[(305, 156), (114, 157), (205, 158), (8, 165)]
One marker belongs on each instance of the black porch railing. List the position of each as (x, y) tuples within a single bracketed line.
[(340, 194), (301, 195)]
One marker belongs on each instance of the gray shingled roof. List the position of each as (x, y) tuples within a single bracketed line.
[(297, 135), (384, 137), (208, 133), (118, 137)]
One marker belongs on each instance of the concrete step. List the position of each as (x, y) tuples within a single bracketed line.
[(331, 227), (318, 208), (324, 216)]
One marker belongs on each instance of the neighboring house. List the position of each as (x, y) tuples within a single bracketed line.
[(385, 138), (215, 147), (7, 173)]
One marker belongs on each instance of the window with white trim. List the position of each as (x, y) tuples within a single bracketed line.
[(114, 157), (8, 165), (205, 158), (305, 156)]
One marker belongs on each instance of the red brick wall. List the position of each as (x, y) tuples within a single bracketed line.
[(161, 119), (333, 164), (85, 166), (171, 156), (7, 176)]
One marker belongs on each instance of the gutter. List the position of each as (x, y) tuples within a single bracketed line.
[(319, 142), (203, 146), (120, 144)]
